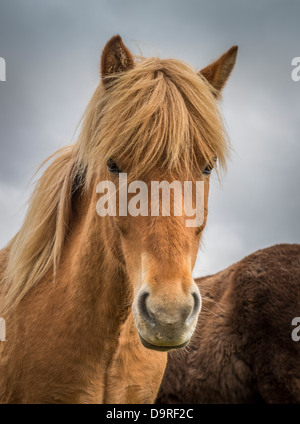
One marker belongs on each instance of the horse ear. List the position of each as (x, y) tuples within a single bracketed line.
[(115, 58), (218, 72)]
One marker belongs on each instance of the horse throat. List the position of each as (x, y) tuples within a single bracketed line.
[(97, 281)]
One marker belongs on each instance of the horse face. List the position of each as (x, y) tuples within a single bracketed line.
[(160, 252)]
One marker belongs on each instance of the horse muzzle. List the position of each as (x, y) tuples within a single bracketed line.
[(165, 324)]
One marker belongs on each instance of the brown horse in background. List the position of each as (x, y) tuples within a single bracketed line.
[(82, 295), (243, 350)]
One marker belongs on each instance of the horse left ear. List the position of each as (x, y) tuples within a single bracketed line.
[(219, 71), (115, 58)]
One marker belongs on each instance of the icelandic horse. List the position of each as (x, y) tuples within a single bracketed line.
[(92, 304), (246, 347)]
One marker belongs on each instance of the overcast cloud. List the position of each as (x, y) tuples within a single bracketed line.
[(52, 51)]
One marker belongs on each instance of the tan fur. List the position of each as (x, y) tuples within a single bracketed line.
[(142, 369), (69, 276)]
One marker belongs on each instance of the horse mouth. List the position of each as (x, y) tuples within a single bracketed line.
[(148, 345)]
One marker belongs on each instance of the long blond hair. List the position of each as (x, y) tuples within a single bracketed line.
[(160, 113)]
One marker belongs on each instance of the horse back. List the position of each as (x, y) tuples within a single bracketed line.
[(265, 298), (243, 350)]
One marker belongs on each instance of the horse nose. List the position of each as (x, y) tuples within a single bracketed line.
[(165, 321), (170, 315)]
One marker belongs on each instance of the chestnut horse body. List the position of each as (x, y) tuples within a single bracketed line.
[(84, 296), (243, 350)]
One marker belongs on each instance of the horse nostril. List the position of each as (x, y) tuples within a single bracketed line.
[(196, 301), (196, 307), (143, 307)]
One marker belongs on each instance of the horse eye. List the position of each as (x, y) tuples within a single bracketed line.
[(209, 167), (208, 170), (113, 167)]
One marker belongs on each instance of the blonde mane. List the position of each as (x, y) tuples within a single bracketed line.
[(160, 113)]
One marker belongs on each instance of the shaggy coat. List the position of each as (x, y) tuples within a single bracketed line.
[(83, 294), (242, 350)]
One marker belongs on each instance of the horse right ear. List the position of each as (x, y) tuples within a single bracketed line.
[(115, 58), (219, 71)]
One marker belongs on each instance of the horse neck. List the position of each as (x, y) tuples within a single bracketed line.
[(99, 281)]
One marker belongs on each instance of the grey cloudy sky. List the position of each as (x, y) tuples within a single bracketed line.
[(52, 51)]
